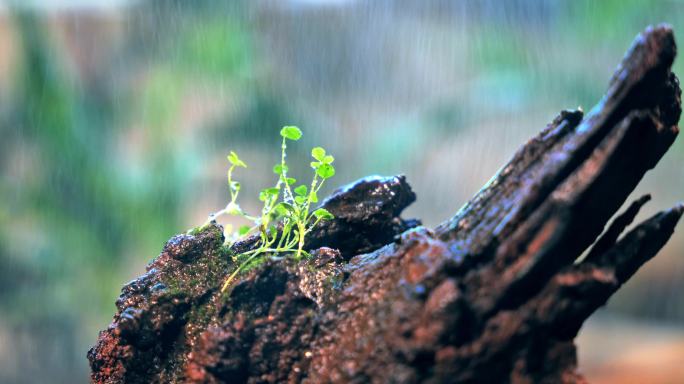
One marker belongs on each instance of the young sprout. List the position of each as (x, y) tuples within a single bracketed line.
[(232, 208), (286, 216)]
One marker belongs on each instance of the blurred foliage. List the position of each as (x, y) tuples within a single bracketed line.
[(75, 220)]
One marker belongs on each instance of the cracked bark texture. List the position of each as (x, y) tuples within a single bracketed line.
[(495, 294)]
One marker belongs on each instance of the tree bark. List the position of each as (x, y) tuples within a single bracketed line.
[(495, 294)]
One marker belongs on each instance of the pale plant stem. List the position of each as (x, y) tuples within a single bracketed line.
[(284, 172)]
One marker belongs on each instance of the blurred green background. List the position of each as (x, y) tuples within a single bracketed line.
[(115, 118)]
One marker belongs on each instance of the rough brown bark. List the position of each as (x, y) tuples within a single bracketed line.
[(495, 294)]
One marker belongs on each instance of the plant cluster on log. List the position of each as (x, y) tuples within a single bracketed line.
[(495, 294)]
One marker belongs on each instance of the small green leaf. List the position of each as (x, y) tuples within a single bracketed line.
[(279, 169), (235, 160), (301, 190), (325, 171), (315, 164), (323, 214), (290, 180), (314, 197), (328, 159), (284, 209), (291, 132), (300, 199), (270, 192), (243, 230), (318, 153)]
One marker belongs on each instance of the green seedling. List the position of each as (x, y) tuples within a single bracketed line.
[(286, 217)]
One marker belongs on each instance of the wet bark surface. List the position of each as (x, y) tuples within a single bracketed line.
[(495, 294)]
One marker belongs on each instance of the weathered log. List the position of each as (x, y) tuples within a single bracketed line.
[(495, 294)]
